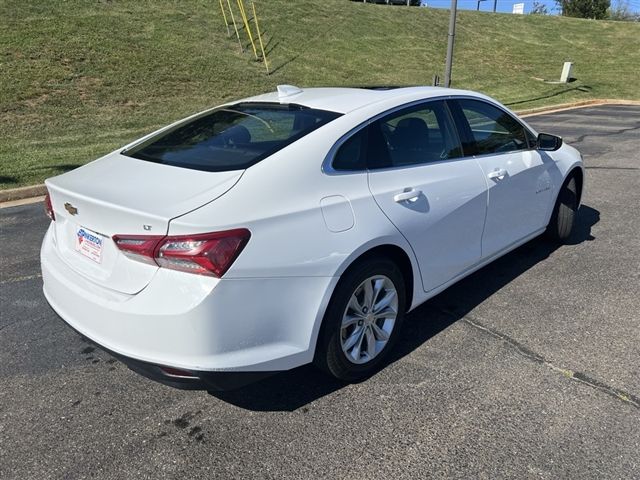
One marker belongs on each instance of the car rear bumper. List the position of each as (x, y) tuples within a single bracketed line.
[(190, 322), (185, 380)]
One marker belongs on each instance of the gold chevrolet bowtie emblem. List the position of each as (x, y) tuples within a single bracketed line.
[(70, 208)]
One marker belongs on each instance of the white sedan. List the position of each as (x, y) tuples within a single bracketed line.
[(296, 226)]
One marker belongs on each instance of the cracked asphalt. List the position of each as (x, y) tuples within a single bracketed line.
[(529, 368)]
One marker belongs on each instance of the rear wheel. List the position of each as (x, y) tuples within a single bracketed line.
[(362, 321), (564, 212)]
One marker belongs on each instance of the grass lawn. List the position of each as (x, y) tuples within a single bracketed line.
[(79, 78)]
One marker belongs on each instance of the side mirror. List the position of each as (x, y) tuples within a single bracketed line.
[(548, 142)]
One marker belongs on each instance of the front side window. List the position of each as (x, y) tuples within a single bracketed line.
[(491, 129), (231, 138)]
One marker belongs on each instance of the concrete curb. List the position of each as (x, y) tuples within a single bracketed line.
[(21, 193), (36, 191), (571, 106)]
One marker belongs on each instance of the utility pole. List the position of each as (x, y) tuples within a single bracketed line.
[(452, 34), (495, 5)]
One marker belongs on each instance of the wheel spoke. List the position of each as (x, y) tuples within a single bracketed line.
[(368, 294), (355, 306), (353, 339), (378, 287), (389, 296), (349, 320), (371, 342), (355, 353), (388, 312), (380, 334)]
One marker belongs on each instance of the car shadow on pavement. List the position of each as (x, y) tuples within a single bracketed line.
[(291, 390)]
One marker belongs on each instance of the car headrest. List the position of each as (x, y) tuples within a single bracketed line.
[(238, 134), (411, 133)]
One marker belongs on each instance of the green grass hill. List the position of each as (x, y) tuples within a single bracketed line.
[(79, 77)]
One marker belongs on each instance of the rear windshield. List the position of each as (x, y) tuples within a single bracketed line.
[(231, 138)]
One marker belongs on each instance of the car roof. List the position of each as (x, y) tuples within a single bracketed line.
[(345, 100)]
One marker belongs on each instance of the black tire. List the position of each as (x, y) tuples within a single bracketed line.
[(564, 214), (329, 355)]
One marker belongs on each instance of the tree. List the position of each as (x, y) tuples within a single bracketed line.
[(596, 9), (539, 9), (622, 12)]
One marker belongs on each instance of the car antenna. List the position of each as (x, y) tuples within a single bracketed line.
[(288, 91)]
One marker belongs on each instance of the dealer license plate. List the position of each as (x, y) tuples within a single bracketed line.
[(89, 243)]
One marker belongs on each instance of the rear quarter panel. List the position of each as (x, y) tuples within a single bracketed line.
[(292, 240)]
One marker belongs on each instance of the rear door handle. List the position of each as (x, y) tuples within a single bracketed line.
[(497, 174), (409, 195)]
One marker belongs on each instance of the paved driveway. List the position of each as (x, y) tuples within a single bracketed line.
[(529, 368)]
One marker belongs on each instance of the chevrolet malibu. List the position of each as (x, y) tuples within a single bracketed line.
[(294, 227)]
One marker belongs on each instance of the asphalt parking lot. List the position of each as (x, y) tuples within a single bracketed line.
[(529, 368)]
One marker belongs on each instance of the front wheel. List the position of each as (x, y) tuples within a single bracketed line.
[(564, 214), (362, 321)]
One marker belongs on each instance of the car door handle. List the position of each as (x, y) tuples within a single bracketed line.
[(497, 174), (412, 194)]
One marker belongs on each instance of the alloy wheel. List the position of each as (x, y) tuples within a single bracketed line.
[(369, 319)]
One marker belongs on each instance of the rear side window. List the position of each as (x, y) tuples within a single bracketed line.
[(364, 149), (492, 130), (414, 135), (418, 135), (231, 138), (351, 154)]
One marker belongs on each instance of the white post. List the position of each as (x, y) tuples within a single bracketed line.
[(566, 72)]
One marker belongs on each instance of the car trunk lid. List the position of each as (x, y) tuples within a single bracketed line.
[(120, 195)]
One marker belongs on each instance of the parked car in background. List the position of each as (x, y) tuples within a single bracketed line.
[(296, 226)]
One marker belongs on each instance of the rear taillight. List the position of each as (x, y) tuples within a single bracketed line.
[(205, 254), (139, 247), (48, 207)]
